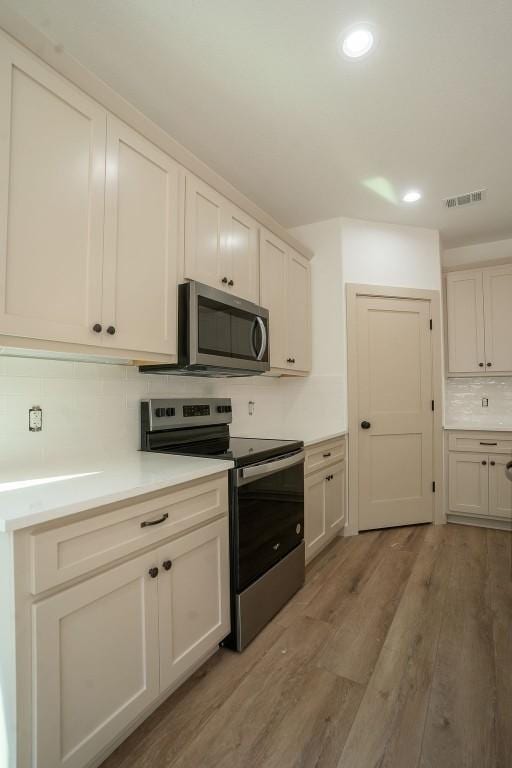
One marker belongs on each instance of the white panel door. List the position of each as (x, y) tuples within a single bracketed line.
[(241, 240), (394, 361), (205, 252), (298, 302), (500, 488), (141, 244), (335, 498), (465, 310), (273, 270), (315, 509), (96, 662), (52, 179), (469, 483), (193, 594), (498, 318)]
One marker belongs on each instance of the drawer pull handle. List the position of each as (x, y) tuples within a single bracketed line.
[(488, 443), (147, 523), (326, 455)]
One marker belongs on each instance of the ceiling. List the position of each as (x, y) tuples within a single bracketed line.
[(257, 90)]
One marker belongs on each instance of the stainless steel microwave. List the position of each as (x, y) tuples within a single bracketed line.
[(218, 335)]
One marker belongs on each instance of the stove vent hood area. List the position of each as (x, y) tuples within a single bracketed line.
[(219, 335)]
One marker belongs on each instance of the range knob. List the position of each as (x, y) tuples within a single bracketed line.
[(170, 411), (159, 412)]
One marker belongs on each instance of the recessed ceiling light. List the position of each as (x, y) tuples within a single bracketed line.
[(357, 42), (411, 197)]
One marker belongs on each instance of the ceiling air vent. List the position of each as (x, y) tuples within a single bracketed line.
[(469, 198)]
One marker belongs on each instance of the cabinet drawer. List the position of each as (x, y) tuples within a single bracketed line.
[(72, 550), (323, 454), (484, 442)]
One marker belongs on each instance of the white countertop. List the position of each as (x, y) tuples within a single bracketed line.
[(40, 494), (477, 428), (323, 438)]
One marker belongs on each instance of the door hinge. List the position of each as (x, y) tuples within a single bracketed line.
[(433, 405), (430, 323), (433, 486)]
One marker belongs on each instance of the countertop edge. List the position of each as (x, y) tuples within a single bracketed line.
[(57, 513), (316, 440), (469, 428)]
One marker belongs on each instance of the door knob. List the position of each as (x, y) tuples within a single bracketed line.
[(365, 425), (167, 565)]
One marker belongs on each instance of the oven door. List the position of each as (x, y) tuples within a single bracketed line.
[(268, 516), (226, 331)]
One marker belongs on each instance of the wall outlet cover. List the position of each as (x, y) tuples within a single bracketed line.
[(35, 419)]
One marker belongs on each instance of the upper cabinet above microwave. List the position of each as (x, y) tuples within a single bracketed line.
[(479, 317), (285, 280), (221, 242)]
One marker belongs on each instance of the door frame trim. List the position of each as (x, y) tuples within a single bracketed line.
[(353, 291)]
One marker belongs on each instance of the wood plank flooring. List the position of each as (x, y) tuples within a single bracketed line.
[(397, 653)]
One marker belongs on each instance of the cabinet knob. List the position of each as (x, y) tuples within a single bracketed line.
[(167, 565), (224, 280), (489, 365), (97, 328), (153, 572), (231, 282), (290, 359), (493, 463), (481, 365), (111, 330), (484, 463)]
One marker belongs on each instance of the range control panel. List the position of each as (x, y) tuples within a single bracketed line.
[(158, 414)]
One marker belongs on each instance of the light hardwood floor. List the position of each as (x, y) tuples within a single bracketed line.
[(397, 653)]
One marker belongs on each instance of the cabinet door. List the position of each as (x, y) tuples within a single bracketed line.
[(241, 240), (298, 300), (465, 309), (273, 260), (335, 498), (500, 488), (315, 506), (205, 253), (52, 179), (469, 483), (193, 598), (498, 318), (141, 244), (96, 662)]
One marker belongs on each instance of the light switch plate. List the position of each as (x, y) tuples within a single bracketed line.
[(35, 419)]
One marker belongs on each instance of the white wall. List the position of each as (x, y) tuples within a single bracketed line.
[(472, 254)]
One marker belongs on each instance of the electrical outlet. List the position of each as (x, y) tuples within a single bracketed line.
[(35, 419)]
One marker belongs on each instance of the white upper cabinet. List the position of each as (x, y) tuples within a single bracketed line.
[(52, 182), (479, 315), (498, 317), (141, 243), (285, 287), (465, 309), (221, 242)]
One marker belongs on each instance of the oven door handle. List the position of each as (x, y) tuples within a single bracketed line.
[(248, 474)]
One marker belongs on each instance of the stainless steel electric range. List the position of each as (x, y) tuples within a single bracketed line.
[(266, 490)]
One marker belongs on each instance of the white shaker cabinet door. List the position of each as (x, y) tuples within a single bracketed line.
[(52, 180), (315, 513), (500, 488), (243, 262), (469, 483), (95, 662), (206, 258), (498, 318), (273, 267), (335, 498), (141, 244), (193, 590), (298, 297), (465, 310)]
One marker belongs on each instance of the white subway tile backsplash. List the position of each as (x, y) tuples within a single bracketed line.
[(463, 402)]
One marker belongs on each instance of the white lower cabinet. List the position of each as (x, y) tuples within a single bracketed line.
[(478, 485), (324, 504), (105, 649), (96, 662)]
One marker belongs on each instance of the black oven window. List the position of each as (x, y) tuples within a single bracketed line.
[(228, 331)]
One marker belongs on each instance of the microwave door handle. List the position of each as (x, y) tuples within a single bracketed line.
[(263, 330)]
